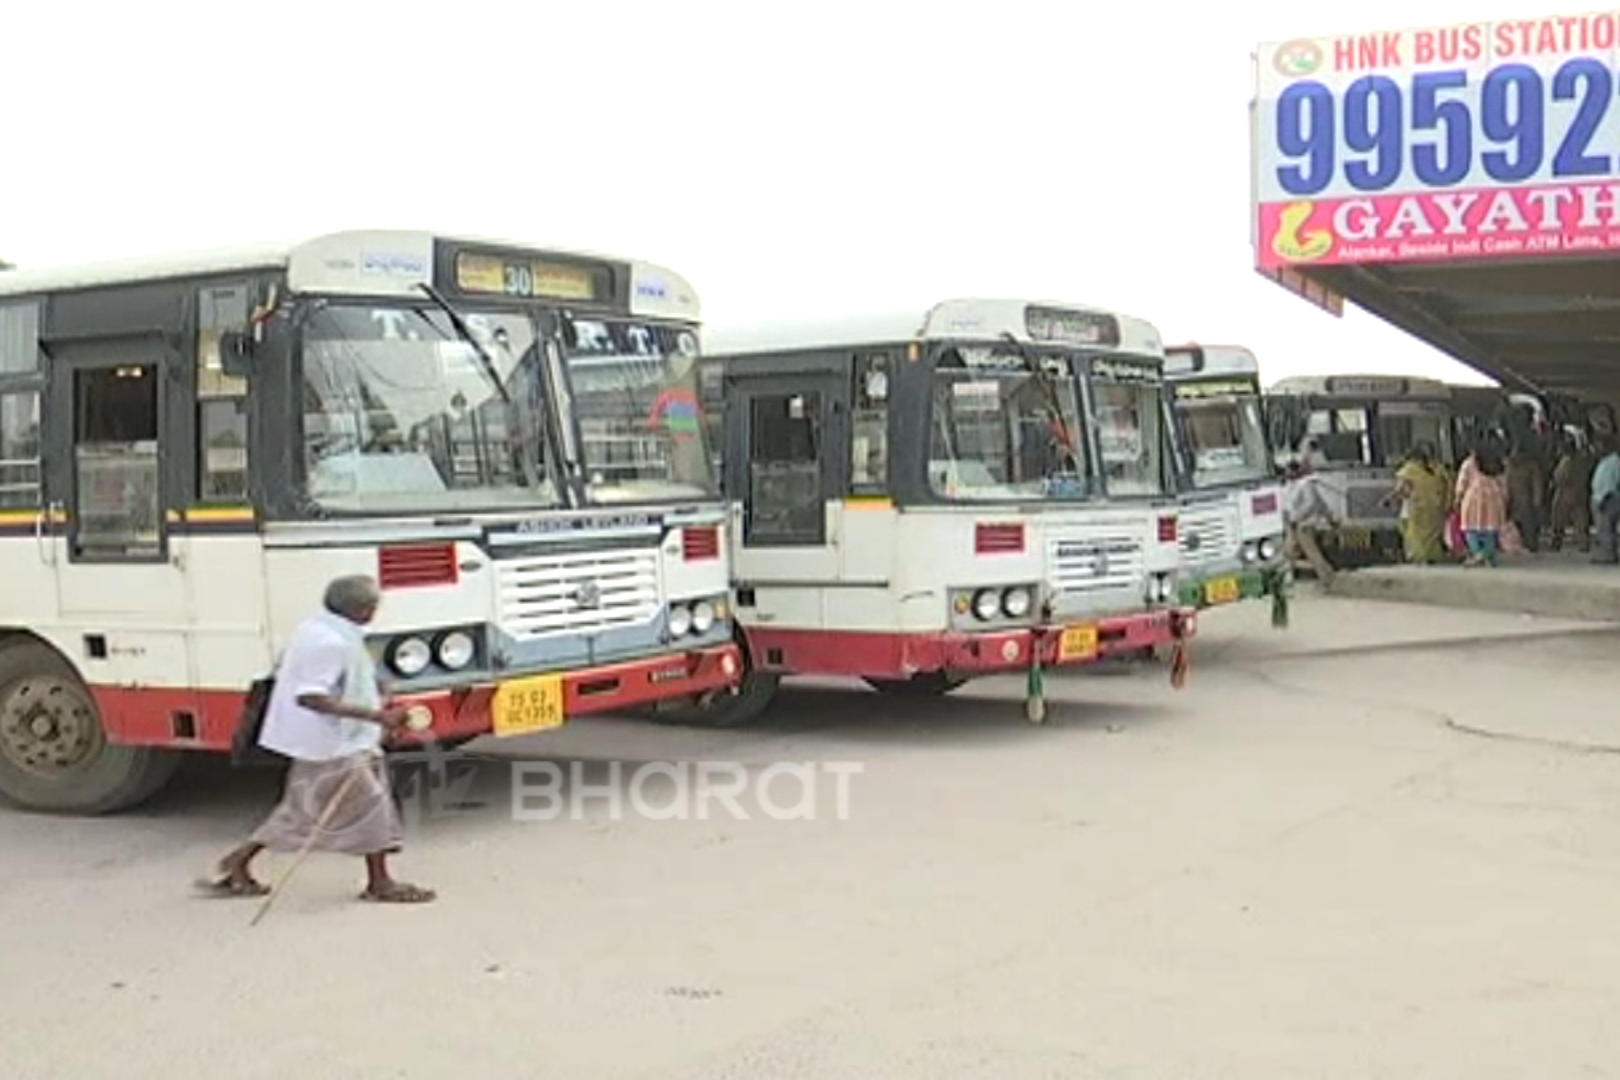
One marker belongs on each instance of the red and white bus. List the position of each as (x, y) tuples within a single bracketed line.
[(947, 493), (192, 447)]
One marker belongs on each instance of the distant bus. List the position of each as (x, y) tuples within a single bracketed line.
[(1364, 426), (1231, 531), (938, 494)]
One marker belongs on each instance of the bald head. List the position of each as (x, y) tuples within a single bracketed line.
[(354, 597)]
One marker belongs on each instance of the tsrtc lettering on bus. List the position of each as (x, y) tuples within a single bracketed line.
[(1486, 139)]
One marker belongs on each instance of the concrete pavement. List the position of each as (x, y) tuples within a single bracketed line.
[(1305, 864)]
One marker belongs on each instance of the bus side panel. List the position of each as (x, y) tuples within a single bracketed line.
[(230, 638)]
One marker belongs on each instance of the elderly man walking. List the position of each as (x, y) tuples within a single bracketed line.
[(326, 713)]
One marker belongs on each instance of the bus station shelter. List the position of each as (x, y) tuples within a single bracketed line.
[(1459, 182)]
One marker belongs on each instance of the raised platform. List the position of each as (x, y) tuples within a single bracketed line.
[(1562, 586)]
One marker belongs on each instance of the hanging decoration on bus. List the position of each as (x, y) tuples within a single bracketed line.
[(1483, 140)]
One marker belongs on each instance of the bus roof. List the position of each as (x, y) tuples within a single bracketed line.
[(1208, 361), (949, 320), (388, 262), (1361, 386)]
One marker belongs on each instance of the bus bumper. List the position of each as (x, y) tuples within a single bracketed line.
[(899, 656), (1217, 590), (468, 712)]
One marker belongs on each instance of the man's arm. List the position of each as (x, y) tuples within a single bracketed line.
[(331, 706)]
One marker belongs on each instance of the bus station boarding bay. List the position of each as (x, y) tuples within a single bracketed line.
[(939, 697)]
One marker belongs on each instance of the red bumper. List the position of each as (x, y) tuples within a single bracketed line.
[(207, 719), (884, 655), (466, 712)]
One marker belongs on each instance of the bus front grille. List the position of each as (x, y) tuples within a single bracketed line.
[(581, 593), (1206, 537), (1095, 565), (1366, 503)]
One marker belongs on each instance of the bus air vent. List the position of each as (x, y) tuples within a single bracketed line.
[(415, 566)]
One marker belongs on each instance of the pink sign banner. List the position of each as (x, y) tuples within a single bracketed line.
[(1485, 223)]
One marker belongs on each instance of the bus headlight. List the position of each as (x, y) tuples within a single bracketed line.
[(986, 604), (1250, 553), (1268, 549), (680, 620), (702, 617), (1016, 602), (456, 650), (410, 656)]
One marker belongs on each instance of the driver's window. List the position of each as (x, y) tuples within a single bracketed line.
[(786, 499)]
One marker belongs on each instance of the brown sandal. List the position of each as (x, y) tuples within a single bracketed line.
[(399, 892), (232, 887)]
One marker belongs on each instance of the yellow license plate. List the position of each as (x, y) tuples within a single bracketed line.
[(524, 706), (1355, 539), (1222, 591), (1077, 643)]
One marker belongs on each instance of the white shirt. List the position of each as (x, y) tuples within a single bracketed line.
[(326, 655)]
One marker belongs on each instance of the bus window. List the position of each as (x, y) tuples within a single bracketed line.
[(19, 407), (119, 511), (19, 450), (1402, 426), (786, 504), (222, 441), (221, 398), (869, 428)]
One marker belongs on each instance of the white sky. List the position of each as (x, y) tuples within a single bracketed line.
[(790, 161)]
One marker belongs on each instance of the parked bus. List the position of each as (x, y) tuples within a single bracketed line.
[(916, 500), (1231, 526), (192, 447), (1363, 427)]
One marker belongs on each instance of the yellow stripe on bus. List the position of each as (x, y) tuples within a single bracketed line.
[(869, 502)]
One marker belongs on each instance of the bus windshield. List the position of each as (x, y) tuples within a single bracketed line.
[(635, 394), (1225, 439), (402, 416), (1001, 431), (1129, 416), (1402, 425)]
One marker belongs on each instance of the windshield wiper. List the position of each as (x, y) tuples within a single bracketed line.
[(1048, 387), (491, 372)]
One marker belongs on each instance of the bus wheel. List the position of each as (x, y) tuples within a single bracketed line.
[(922, 684), (54, 753), (725, 710)]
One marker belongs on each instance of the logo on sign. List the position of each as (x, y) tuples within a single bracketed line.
[(1296, 59), (393, 264), (1296, 238)]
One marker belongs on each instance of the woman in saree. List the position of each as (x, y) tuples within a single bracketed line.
[(1424, 490)]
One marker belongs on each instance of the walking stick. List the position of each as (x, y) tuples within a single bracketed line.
[(309, 844)]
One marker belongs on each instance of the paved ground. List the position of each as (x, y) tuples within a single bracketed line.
[(1312, 862)]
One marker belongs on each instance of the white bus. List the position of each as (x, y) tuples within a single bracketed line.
[(191, 447), (1363, 427), (1231, 504), (945, 493)]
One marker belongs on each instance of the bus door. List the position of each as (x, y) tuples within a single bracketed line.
[(783, 464), (109, 472)]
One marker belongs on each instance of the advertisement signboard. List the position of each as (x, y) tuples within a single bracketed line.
[(1477, 141)]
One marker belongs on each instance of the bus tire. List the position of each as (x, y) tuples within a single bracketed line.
[(922, 684), (54, 753), (743, 706)]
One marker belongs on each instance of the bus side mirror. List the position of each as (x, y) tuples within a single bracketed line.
[(236, 354)]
